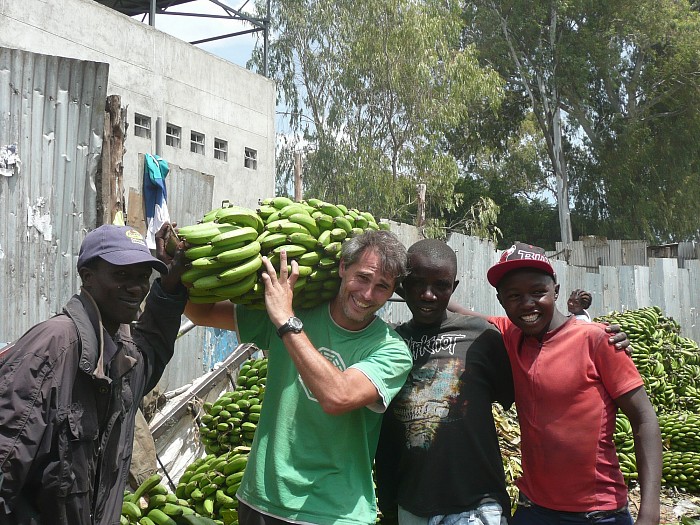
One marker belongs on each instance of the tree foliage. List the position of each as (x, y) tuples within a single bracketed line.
[(626, 77), (370, 88)]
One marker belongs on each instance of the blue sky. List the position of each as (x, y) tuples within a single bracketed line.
[(235, 49)]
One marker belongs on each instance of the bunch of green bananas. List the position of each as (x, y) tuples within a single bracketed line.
[(233, 418), (682, 470), (668, 362), (209, 485), (680, 431), (670, 367), (152, 504), (227, 245)]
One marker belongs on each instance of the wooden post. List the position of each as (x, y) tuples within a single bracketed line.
[(297, 177), (420, 216), (110, 190)]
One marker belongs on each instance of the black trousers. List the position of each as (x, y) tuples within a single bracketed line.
[(249, 516)]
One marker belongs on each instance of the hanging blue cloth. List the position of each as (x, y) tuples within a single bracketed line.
[(155, 195)]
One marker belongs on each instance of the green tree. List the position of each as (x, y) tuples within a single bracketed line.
[(613, 90), (371, 88)]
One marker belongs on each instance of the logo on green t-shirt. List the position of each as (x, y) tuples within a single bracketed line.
[(334, 357)]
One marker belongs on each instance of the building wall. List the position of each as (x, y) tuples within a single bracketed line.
[(165, 79)]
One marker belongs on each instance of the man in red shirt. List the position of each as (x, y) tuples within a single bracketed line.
[(569, 382)]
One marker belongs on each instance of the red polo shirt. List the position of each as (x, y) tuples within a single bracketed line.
[(565, 388)]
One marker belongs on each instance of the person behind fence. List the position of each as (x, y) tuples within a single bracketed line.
[(569, 383), (332, 371), (70, 387), (578, 304), (438, 460)]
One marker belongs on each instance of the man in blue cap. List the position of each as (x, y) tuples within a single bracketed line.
[(70, 387)]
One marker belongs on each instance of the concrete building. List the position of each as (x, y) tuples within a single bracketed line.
[(198, 111)]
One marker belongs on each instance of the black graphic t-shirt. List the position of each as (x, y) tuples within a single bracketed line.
[(438, 451)]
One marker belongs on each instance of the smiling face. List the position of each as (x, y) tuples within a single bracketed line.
[(528, 296), (117, 290), (364, 289), (428, 288)]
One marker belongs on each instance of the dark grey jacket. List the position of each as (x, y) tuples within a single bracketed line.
[(66, 428)]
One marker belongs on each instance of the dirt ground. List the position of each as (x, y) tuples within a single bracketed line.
[(671, 501)]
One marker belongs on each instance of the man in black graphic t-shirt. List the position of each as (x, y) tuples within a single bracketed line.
[(438, 457)]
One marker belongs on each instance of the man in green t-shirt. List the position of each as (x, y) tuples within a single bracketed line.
[(332, 372)]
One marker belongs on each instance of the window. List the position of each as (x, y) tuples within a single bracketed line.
[(142, 126), (173, 135), (220, 149), (197, 143), (251, 159)]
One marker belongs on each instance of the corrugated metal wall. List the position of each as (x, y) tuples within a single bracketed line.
[(53, 109), (615, 287)]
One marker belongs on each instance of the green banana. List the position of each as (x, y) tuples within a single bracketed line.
[(331, 209), (293, 250), (245, 268), (307, 241), (286, 226), (191, 275), (210, 215), (231, 275), (239, 254), (160, 518), (204, 232), (292, 209), (265, 210), (338, 234), (333, 248), (309, 259), (208, 263), (208, 250), (307, 221), (361, 222), (241, 217), (275, 216), (273, 240), (281, 202), (324, 222), (147, 485), (131, 510), (343, 223), (243, 234), (236, 289), (325, 237)]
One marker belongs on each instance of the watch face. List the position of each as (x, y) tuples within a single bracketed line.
[(295, 324)]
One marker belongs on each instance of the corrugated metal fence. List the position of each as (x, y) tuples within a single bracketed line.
[(615, 286), (52, 109)]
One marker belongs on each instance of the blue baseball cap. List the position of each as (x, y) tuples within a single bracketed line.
[(118, 245)]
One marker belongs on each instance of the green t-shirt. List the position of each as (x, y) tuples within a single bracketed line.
[(306, 465)]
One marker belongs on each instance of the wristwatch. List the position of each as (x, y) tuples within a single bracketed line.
[(294, 325)]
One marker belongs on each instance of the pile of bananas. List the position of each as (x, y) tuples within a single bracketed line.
[(232, 419), (227, 245), (682, 470), (670, 367), (209, 485), (669, 363), (152, 504)]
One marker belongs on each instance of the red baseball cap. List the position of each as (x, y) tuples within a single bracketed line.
[(520, 255)]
